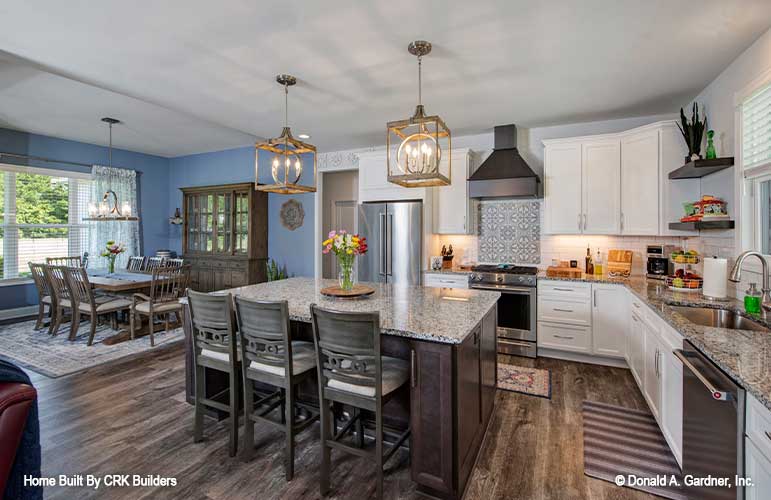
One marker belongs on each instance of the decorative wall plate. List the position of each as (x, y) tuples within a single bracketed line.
[(292, 214)]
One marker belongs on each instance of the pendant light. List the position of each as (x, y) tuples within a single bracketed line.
[(415, 160), (286, 160), (109, 209)]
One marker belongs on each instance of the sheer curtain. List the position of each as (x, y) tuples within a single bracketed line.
[(124, 183)]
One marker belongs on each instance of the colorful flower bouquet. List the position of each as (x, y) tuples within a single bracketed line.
[(111, 251), (346, 247)]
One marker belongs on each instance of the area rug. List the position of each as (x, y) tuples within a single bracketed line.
[(620, 442), (530, 381), (57, 356)]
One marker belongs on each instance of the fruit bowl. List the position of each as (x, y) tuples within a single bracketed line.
[(684, 258), (684, 284)]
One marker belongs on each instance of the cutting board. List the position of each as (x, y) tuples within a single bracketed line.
[(619, 263), (563, 272)]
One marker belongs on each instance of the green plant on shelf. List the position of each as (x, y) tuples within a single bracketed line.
[(693, 131)]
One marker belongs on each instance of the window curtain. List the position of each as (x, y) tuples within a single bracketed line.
[(124, 183)]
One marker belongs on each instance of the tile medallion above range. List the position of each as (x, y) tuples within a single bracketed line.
[(510, 231)]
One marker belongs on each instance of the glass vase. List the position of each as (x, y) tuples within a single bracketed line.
[(347, 276), (111, 265)]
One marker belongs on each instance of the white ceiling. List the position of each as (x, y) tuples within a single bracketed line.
[(192, 76)]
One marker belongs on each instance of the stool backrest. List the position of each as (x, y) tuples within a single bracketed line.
[(174, 262), (213, 325), (263, 327), (347, 347)]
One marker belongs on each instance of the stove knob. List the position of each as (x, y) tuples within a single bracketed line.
[(499, 279)]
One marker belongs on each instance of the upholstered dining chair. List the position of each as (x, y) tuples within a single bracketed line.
[(168, 285), (61, 293), (352, 371), (74, 261), (84, 301), (153, 263), (135, 264), (45, 296), (215, 346), (269, 356)]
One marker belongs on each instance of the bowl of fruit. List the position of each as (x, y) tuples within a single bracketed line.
[(683, 280), (685, 257)]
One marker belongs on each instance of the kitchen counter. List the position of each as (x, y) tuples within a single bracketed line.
[(446, 271), (434, 314), (745, 355)]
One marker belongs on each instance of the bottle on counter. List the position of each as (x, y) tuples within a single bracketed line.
[(752, 299), (598, 264), (589, 265)]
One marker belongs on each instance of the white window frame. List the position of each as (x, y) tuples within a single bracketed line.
[(747, 182), (10, 251)]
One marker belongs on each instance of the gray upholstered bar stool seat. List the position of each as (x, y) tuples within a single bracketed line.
[(351, 371), (272, 359), (215, 346)]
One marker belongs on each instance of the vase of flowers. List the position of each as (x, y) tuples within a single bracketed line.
[(111, 251), (346, 248)]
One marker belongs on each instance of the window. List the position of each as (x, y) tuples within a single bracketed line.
[(763, 211), (756, 129), (41, 213)]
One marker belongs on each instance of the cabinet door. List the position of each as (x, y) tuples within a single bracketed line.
[(758, 467), (671, 370), (640, 184), (451, 203), (652, 385), (635, 346), (610, 320), (468, 404), (562, 189), (601, 187)]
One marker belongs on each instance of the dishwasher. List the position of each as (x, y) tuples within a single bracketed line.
[(713, 426)]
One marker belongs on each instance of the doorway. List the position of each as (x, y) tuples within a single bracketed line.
[(339, 210)]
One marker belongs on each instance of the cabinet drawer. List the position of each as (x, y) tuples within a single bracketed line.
[(445, 280), (759, 425), (558, 310), (564, 337), (568, 289)]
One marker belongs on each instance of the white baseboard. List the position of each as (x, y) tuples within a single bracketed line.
[(582, 358), (19, 312)]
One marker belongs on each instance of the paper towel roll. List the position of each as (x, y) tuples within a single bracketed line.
[(715, 277)]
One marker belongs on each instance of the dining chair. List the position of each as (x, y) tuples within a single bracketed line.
[(135, 264), (45, 296), (215, 347), (174, 262), (270, 357), (153, 263), (168, 285), (84, 301), (61, 294), (352, 371), (73, 261)]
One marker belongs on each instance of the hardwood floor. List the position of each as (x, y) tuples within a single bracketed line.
[(131, 418)]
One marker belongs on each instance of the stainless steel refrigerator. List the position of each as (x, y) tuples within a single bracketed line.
[(394, 232)]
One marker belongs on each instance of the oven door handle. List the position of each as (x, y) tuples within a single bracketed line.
[(515, 342), (716, 394), (504, 289)]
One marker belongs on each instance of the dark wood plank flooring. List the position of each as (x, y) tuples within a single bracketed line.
[(131, 418)]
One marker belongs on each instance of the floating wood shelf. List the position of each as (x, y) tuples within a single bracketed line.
[(710, 224), (699, 168)]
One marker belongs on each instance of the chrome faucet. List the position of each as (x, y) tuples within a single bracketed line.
[(736, 276)]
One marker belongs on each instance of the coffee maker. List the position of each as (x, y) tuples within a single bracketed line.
[(658, 265)]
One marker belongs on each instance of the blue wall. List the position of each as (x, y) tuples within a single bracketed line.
[(153, 186), (291, 248)]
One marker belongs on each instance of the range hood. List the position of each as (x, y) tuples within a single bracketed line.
[(504, 174)]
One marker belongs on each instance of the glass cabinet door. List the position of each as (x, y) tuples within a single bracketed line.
[(224, 223), (217, 222), (242, 223)]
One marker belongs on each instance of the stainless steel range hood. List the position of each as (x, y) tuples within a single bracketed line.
[(504, 174)]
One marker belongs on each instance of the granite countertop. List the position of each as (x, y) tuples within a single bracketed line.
[(434, 314), (745, 355), (446, 271)]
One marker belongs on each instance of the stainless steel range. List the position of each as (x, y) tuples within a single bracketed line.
[(516, 307)]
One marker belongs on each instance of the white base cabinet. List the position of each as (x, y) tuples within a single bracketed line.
[(610, 320), (445, 280), (758, 468)]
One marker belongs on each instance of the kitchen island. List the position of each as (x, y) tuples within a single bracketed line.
[(449, 337)]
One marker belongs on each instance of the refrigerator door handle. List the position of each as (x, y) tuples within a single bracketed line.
[(382, 228), (389, 245)]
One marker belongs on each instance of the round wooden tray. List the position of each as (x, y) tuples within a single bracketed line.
[(356, 292)]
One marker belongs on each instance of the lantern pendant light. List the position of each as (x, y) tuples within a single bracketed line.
[(415, 146), (109, 209), (286, 159)]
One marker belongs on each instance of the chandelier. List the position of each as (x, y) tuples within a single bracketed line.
[(286, 163), (417, 160), (109, 209)]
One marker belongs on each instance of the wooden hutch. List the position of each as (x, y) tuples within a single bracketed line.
[(225, 235)]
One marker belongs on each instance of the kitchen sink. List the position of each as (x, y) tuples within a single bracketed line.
[(719, 318)]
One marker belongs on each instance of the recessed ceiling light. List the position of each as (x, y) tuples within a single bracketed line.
[(303, 136)]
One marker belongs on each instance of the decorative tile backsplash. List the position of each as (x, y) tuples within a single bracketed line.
[(510, 231)]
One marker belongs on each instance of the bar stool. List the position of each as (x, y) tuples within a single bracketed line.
[(352, 371), (214, 347), (271, 357)]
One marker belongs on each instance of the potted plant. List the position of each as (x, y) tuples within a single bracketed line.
[(693, 132), (111, 251), (346, 248)]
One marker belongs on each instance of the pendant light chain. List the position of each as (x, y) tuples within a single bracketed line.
[(420, 79), (286, 105), (110, 150)]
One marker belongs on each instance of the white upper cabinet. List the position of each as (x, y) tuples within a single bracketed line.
[(562, 189), (600, 180), (640, 183), (373, 181), (454, 212)]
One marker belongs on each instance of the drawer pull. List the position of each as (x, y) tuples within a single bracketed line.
[(563, 337), (563, 289), (413, 368), (563, 310), (768, 434), (636, 305)]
